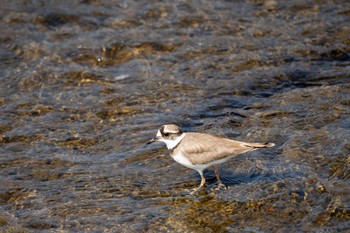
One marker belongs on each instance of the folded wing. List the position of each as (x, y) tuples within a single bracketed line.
[(209, 148)]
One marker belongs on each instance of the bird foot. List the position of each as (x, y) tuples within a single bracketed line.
[(220, 186), (194, 191)]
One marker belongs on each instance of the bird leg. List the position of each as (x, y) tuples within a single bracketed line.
[(217, 174), (201, 185)]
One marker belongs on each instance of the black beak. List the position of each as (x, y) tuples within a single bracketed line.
[(152, 140)]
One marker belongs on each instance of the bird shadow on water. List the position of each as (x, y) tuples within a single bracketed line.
[(230, 178), (233, 179)]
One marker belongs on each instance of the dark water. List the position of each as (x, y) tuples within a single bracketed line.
[(84, 84)]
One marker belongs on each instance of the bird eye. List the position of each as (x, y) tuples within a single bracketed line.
[(166, 134)]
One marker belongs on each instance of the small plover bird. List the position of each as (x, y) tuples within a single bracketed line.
[(199, 151)]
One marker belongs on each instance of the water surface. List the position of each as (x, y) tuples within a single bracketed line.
[(85, 84)]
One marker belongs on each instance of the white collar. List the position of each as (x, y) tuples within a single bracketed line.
[(171, 144)]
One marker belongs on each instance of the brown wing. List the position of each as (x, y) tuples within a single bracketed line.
[(207, 147)]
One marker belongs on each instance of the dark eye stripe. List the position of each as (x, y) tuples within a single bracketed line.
[(162, 130)]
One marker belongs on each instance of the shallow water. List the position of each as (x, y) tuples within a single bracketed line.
[(85, 84)]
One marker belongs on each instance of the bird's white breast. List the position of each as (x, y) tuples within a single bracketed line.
[(181, 159)]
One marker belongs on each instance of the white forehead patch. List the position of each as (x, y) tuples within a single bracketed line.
[(170, 131)]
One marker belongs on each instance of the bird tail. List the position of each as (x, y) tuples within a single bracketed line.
[(260, 145)]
